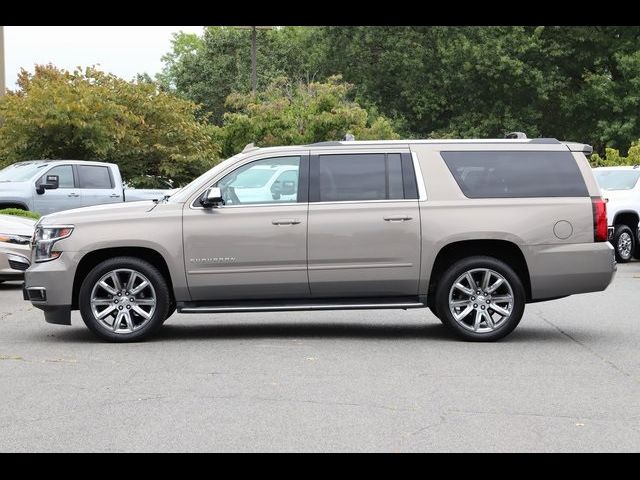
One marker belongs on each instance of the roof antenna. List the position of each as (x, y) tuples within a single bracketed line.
[(348, 138), (516, 135)]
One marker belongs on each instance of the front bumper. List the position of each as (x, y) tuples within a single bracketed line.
[(49, 287)]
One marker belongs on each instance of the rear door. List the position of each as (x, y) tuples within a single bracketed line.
[(65, 197), (364, 224), (98, 185)]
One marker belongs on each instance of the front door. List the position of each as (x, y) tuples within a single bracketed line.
[(65, 197), (255, 245), (364, 225)]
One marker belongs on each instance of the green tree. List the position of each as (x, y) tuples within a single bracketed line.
[(91, 115), (296, 113), (208, 69)]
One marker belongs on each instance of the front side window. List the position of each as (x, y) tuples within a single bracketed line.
[(65, 176), (270, 180), (93, 176)]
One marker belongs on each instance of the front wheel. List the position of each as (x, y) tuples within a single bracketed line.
[(124, 299), (480, 298), (624, 243)]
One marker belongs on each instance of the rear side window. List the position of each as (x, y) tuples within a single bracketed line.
[(516, 174), (361, 177), (91, 176)]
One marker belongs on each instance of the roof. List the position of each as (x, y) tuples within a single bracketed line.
[(572, 146), (46, 161), (620, 167)]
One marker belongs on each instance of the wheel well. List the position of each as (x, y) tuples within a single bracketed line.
[(627, 218), (503, 250), (19, 206), (94, 258)]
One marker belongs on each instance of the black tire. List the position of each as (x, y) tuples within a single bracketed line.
[(619, 231), (158, 282), (171, 311), (459, 268)]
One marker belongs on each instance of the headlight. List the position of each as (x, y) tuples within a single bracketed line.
[(16, 239), (45, 238)]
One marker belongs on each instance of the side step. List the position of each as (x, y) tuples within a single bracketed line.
[(299, 305)]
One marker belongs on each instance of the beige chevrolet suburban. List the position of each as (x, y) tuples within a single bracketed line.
[(472, 229)]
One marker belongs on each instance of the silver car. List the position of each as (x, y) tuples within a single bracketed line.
[(15, 246), (472, 229)]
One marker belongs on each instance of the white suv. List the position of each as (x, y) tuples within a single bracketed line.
[(620, 186)]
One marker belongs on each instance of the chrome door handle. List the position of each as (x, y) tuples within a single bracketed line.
[(286, 221), (73, 195), (114, 195), (397, 218)]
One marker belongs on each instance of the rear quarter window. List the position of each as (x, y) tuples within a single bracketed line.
[(521, 174)]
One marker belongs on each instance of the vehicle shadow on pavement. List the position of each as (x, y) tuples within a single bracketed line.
[(333, 330), (431, 331), (11, 286)]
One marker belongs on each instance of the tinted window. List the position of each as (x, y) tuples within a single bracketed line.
[(65, 176), (360, 177), (516, 174), (271, 180), (94, 177)]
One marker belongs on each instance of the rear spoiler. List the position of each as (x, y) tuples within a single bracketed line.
[(579, 147)]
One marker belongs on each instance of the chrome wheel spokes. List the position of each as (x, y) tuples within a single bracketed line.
[(123, 301), (481, 300), (624, 245)]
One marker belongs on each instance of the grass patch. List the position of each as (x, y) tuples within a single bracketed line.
[(20, 213)]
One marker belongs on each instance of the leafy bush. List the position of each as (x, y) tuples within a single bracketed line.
[(91, 115), (613, 158), (297, 113), (20, 213)]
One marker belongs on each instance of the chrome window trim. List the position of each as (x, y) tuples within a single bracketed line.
[(422, 190)]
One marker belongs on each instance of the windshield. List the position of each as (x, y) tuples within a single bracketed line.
[(20, 172), (617, 179)]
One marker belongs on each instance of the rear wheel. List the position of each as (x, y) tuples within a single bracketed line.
[(624, 243), (480, 298), (124, 299)]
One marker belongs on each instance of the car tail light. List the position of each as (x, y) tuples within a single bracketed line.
[(599, 219)]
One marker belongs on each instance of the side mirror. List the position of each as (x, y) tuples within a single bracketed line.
[(212, 198), (52, 183)]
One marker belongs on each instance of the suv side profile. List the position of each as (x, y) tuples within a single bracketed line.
[(472, 229)]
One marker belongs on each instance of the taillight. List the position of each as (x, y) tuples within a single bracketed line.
[(599, 219)]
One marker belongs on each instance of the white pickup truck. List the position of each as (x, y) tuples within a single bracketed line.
[(621, 188), (48, 186)]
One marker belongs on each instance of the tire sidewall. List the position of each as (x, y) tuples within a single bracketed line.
[(457, 269), (153, 275), (619, 230)]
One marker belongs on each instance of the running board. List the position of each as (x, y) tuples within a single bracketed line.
[(190, 307)]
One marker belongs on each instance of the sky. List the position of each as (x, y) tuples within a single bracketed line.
[(123, 51)]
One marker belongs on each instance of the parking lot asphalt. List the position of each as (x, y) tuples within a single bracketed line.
[(568, 379)]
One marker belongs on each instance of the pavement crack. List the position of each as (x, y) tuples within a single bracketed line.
[(442, 420), (586, 347), (314, 402)]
